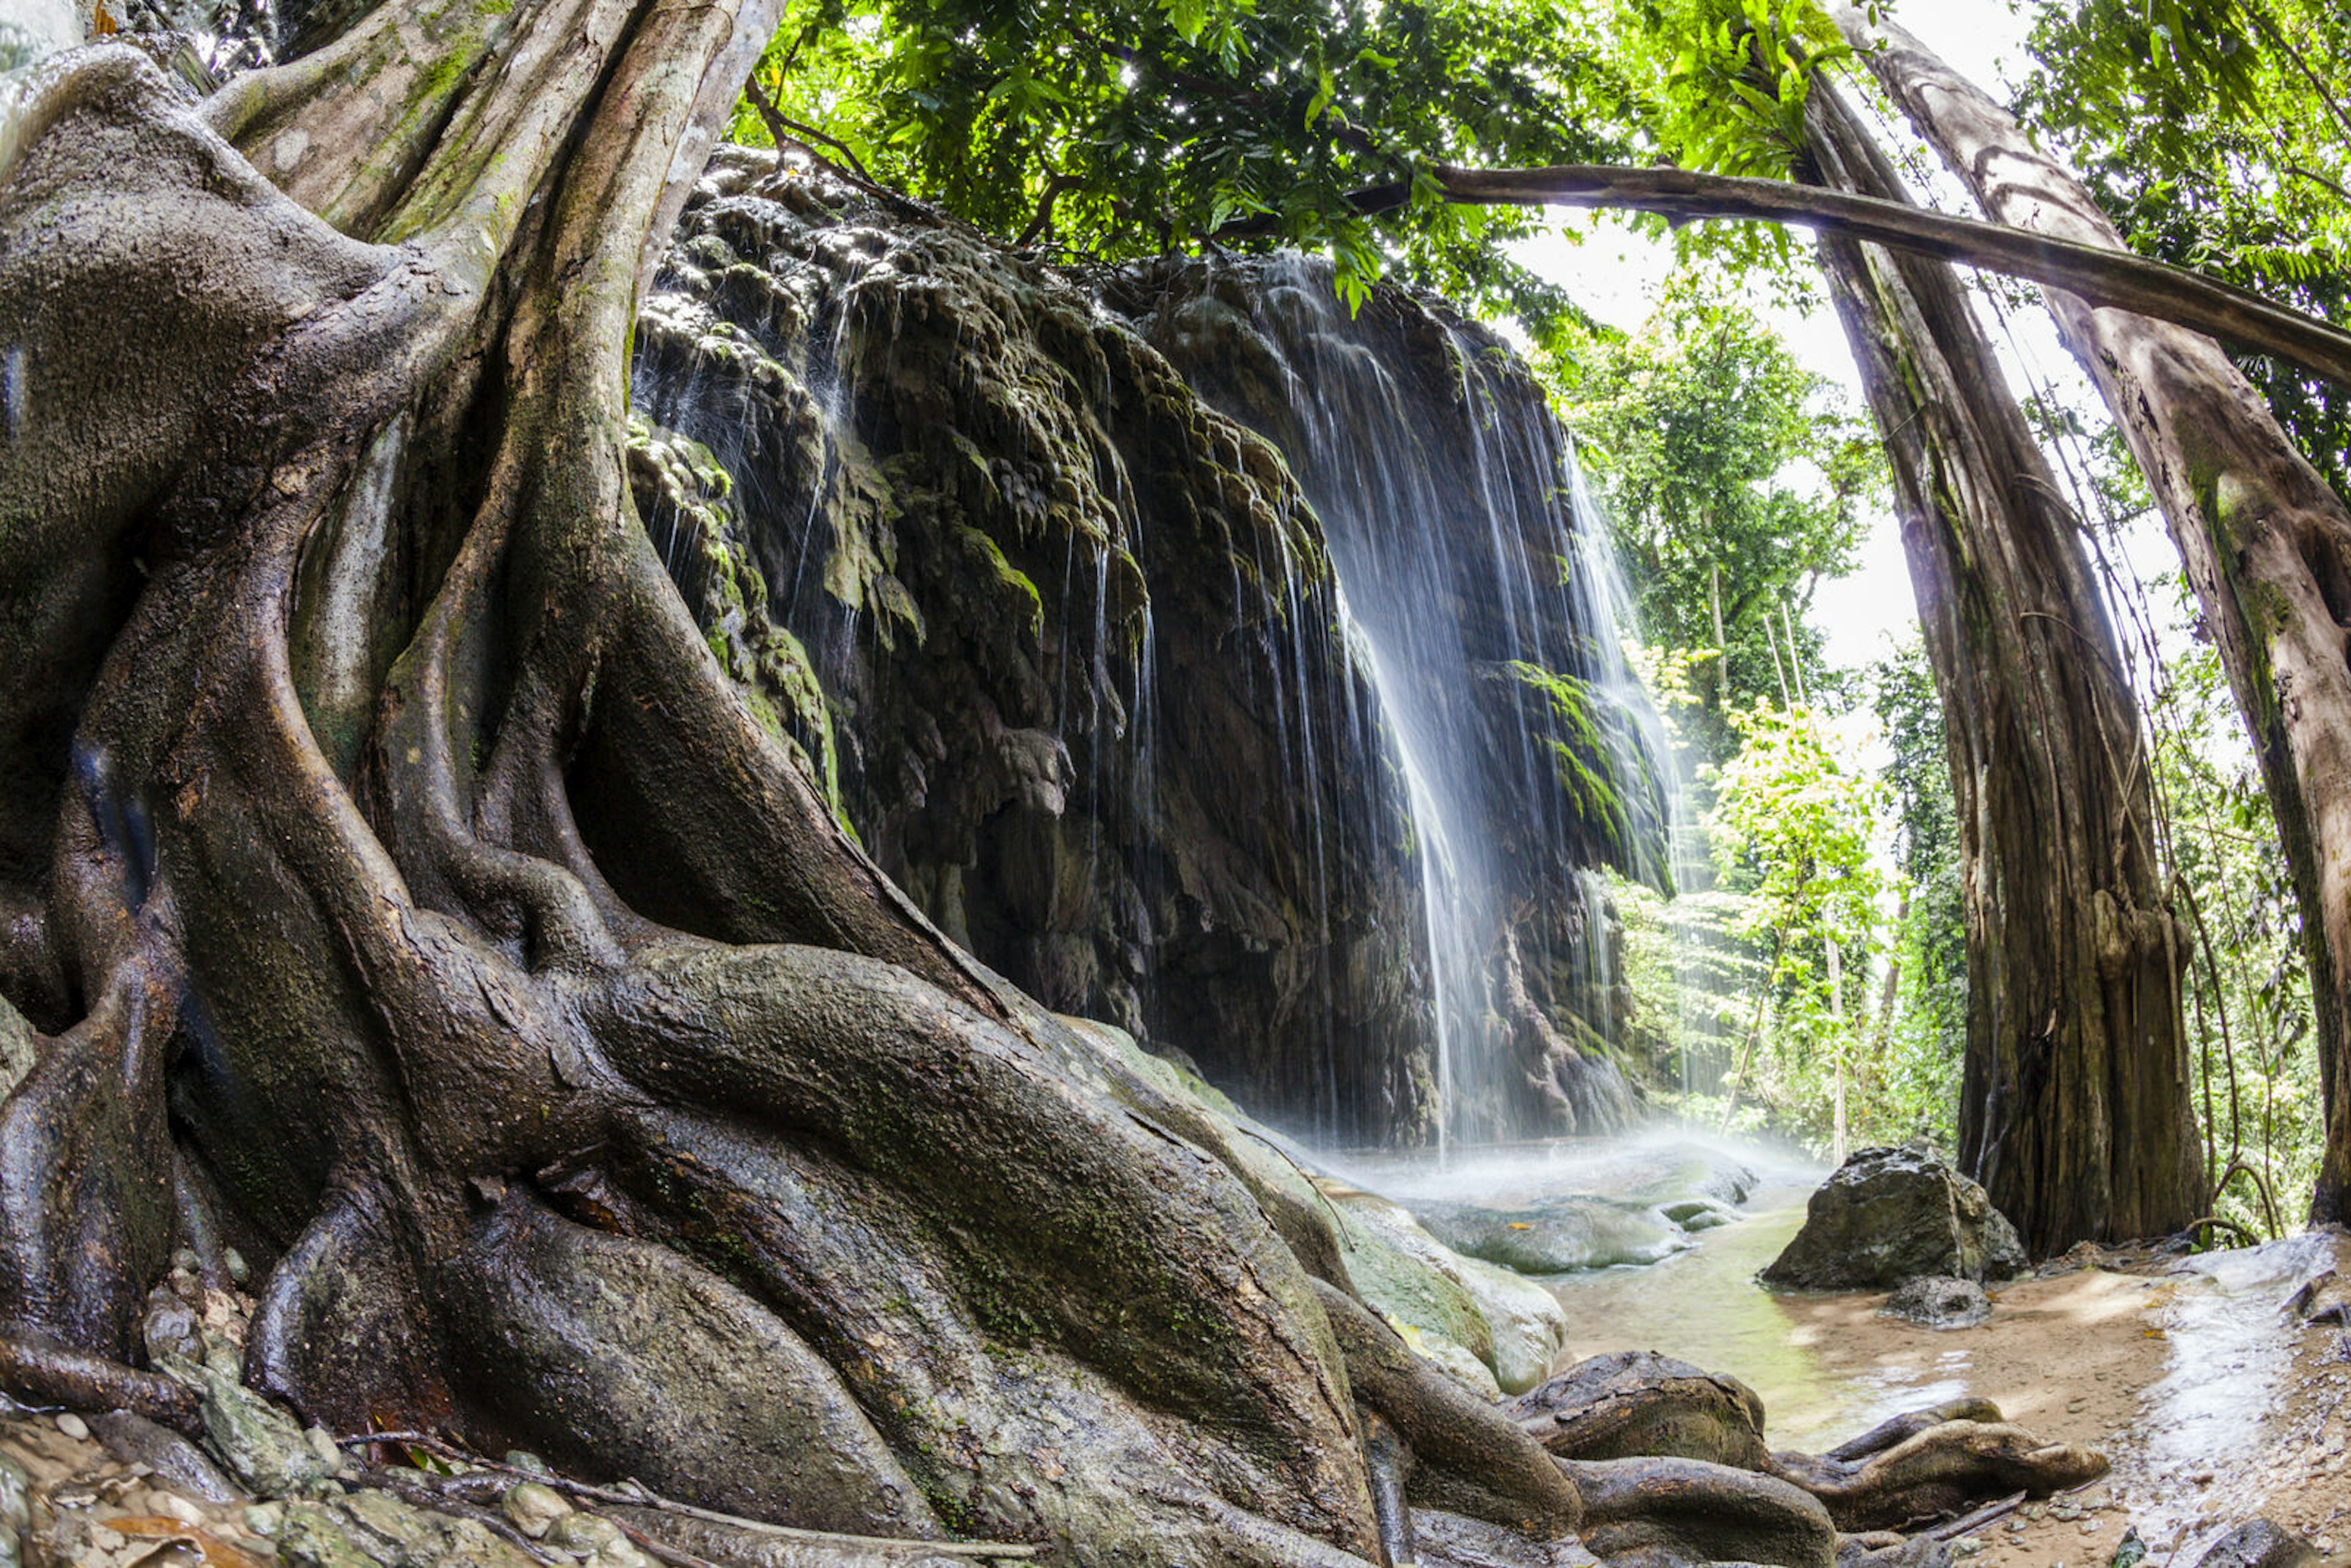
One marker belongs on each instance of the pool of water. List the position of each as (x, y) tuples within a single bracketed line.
[(1703, 1306)]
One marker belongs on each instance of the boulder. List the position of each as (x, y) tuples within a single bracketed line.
[(1556, 1235), (1939, 1301), (1519, 1329), (1633, 1402), (2259, 1543), (1890, 1215)]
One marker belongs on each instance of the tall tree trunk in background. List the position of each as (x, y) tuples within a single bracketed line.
[(2075, 1110), (2266, 542)]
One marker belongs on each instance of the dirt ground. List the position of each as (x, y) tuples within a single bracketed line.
[(2213, 1402)]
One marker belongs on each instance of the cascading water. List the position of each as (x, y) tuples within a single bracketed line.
[(1469, 551), (1289, 736)]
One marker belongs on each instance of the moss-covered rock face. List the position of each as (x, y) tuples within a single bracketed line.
[(1065, 645)]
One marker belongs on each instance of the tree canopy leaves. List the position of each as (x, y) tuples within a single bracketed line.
[(1110, 128), (1733, 475), (2218, 135)]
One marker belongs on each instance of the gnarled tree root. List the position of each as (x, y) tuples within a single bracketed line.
[(1943, 1468)]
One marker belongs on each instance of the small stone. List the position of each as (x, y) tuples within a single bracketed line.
[(171, 1505), (174, 1462), (1939, 1301), (322, 1443), (532, 1508), (73, 1427), (186, 1261), (582, 1532), (522, 1459), (239, 1271), (264, 1518)]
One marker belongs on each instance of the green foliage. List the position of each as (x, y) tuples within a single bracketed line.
[(1792, 827), (1717, 453), (2218, 135), (1112, 129), (1922, 1043)]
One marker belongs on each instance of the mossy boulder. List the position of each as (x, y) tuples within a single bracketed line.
[(1890, 1215)]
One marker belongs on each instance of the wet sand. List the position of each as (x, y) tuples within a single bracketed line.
[(2213, 1403)]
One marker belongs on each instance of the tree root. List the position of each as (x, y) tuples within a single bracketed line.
[(48, 1375), (1941, 1470)]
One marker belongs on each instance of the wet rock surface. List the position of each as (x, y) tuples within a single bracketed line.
[(2259, 1543), (1887, 1216), (1634, 1403), (1556, 1235), (1939, 1301), (946, 513)]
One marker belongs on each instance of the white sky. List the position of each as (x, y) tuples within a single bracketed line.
[(1615, 272)]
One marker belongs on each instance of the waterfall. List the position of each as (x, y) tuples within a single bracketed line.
[(1209, 660), (1469, 552)]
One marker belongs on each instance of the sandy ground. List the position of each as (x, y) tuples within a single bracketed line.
[(2210, 1415), (2212, 1401)]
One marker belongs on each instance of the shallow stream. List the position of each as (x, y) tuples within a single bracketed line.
[(2187, 1375)]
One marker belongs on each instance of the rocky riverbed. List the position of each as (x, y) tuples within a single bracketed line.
[(2214, 1401)]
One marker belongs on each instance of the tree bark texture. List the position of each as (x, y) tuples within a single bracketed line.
[(333, 641), (2265, 541), (2074, 1110)]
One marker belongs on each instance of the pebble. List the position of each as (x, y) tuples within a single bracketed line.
[(264, 1518), (239, 1271), (322, 1443), (73, 1427), (581, 1533), (171, 1505), (532, 1508)]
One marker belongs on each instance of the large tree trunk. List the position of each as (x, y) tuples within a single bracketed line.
[(2266, 542), (322, 599), (2075, 1111)]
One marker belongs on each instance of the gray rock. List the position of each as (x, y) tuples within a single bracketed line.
[(1556, 1235), (16, 1512), (370, 1528), (170, 1328), (1454, 1540), (2259, 1543), (135, 1440), (263, 1445), (1637, 1403), (1889, 1214), (1939, 1301), (15, 1048)]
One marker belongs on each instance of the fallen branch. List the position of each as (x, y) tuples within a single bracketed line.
[(2222, 1223), (2104, 277), (1968, 1522)]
